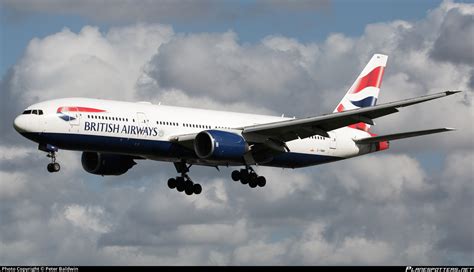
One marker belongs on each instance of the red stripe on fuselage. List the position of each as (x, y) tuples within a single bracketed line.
[(372, 79), (80, 109)]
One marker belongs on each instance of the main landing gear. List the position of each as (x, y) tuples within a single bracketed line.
[(248, 176), (53, 166), (184, 182)]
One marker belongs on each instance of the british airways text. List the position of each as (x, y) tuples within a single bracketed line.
[(117, 128)]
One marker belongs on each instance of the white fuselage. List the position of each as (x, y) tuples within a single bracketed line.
[(144, 130)]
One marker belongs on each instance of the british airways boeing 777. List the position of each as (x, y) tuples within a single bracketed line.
[(112, 135)]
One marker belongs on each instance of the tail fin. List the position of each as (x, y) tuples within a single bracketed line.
[(364, 92)]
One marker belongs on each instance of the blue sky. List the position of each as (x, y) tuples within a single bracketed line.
[(17, 28)]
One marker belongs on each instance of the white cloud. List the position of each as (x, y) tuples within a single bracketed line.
[(283, 183), (459, 174), (88, 63), (381, 178), (313, 248), (86, 217), (11, 184), (213, 233), (260, 253)]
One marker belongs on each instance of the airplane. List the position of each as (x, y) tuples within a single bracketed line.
[(113, 135)]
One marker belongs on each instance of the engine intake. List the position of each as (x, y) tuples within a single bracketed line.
[(106, 164), (218, 144)]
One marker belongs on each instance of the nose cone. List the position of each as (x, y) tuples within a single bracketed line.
[(21, 124)]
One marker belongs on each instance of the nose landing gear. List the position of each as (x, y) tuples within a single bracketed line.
[(53, 166), (248, 176)]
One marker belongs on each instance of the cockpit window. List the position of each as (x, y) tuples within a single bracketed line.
[(37, 112)]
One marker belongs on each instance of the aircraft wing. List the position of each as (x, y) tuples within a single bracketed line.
[(186, 140), (402, 135), (288, 130)]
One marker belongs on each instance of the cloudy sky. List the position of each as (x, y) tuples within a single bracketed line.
[(411, 205)]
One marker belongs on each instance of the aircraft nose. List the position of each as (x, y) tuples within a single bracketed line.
[(21, 123)]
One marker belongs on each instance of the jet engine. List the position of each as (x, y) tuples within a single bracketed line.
[(106, 164), (219, 145)]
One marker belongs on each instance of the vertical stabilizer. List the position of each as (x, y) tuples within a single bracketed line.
[(364, 92)]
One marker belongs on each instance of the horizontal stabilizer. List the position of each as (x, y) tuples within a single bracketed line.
[(402, 135)]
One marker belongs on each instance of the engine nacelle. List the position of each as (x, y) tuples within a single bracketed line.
[(219, 145), (106, 164)]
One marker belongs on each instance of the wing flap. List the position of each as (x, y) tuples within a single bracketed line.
[(403, 135)]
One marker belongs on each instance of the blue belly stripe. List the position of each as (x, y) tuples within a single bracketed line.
[(130, 146)]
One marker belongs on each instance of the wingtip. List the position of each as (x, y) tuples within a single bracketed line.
[(450, 129), (453, 92)]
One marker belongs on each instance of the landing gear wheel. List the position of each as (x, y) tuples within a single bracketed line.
[(184, 182), (261, 181), (253, 176), (189, 190), (180, 184), (248, 176), (53, 167), (252, 180), (188, 184), (188, 187), (244, 176), (236, 175), (172, 183), (197, 188)]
